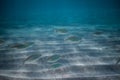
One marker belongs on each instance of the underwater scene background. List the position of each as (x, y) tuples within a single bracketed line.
[(59, 40)]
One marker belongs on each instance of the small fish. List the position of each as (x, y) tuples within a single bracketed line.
[(118, 61), (62, 31), (73, 38), (53, 58), (1, 41), (32, 58), (115, 41), (98, 33), (21, 45), (56, 65)]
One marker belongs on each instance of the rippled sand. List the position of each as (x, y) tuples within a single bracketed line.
[(87, 52)]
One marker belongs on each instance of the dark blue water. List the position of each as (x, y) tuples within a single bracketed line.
[(60, 12)]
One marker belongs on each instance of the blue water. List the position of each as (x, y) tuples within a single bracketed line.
[(72, 40), (60, 12)]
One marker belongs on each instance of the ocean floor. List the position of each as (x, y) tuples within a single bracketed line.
[(38, 52)]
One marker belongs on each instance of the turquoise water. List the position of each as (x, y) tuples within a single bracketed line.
[(59, 40)]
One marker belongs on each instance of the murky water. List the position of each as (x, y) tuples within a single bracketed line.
[(60, 52)]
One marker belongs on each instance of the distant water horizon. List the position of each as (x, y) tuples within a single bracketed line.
[(60, 12)]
